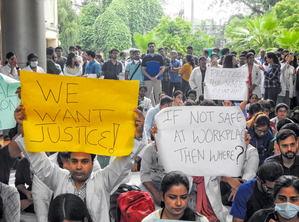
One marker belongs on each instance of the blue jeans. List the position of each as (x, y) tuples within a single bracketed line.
[(272, 93)]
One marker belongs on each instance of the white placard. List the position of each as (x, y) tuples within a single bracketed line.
[(202, 140), (226, 84)]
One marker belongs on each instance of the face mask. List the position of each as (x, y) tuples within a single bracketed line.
[(122, 60), (287, 210), (136, 61), (33, 64)]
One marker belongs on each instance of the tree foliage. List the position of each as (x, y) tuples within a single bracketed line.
[(68, 24), (141, 41)]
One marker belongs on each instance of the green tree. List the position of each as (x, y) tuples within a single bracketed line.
[(68, 24), (142, 40), (87, 17)]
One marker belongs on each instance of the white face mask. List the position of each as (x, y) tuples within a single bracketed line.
[(136, 61), (33, 64)]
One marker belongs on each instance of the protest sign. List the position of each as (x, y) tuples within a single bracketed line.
[(9, 101), (201, 141), (78, 114), (226, 84)]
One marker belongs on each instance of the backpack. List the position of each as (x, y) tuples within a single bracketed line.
[(114, 211), (135, 205)]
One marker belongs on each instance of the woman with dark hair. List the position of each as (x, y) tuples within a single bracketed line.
[(72, 67), (272, 77), (185, 72), (175, 196), (229, 61), (261, 135), (11, 67), (32, 64), (287, 80), (68, 207), (253, 98), (178, 98), (286, 199)]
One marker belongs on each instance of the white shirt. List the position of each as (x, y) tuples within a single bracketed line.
[(6, 71), (38, 69)]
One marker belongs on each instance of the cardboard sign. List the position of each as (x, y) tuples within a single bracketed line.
[(226, 84), (78, 114), (9, 101), (201, 141)]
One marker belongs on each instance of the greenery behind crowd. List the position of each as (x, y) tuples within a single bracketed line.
[(124, 24)]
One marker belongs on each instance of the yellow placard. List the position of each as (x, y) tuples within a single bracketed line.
[(78, 114)]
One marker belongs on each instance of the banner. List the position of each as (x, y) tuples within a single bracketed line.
[(9, 101), (226, 84), (202, 140), (78, 114)]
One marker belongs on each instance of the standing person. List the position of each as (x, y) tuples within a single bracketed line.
[(198, 75), (84, 57), (272, 77), (32, 64), (112, 67), (217, 51), (190, 52), (144, 102), (11, 67), (92, 67), (205, 53), (175, 196), (131, 52), (165, 75), (175, 78), (262, 56), (133, 68), (224, 53), (185, 72), (166, 49), (242, 59), (73, 49), (123, 56), (152, 69), (254, 76), (286, 199), (180, 57), (51, 66), (61, 60), (79, 50), (72, 67), (214, 58)]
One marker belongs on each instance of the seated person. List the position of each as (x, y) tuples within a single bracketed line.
[(255, 194), (286, 199), (11, 203), (151, 172), (24, 177), (281, 111), (68, 207), (287, 142), (253, 109), (174, 196)]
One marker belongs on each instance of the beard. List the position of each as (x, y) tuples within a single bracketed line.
[(287, 156)]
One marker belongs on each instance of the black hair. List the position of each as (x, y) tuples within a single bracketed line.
[(175, 178), (58, 47), (207, 103), (91, 53), (191, 91), (190, 59), (281, 105), (228, 61), (271, 55), (166, 100), (285, 50), (206, 51), (270, 171), (68, 207), (69, 60), (202, 57), (136, 50), (234, 52), (9, 54), (291, 126), (92, 156), (50, 50), (1, 209), (143, 86), (252, 96), (201, 97), (272, 103), (190, 47), (285, 181), (78, 47), (31, 56), (216, 49), (281, 123), (99, 56), (151, 43), (72, 47), (162, 93), (112, 50), (176, 93), (122, 53), (224, 51), (262, 120), (284, 134), (280, 49), (265, 104), (255, 108), (252, 51), (161, 48), (190, 102), (166, 48), (249, 54), (244, 52)]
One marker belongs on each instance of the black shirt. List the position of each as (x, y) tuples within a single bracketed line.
[(293, 170), (62, 62), (112, 71)]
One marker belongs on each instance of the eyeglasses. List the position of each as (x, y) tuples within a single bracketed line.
[(143, 91), (262, 131), (243, 59), (282, 111), (251, 57)]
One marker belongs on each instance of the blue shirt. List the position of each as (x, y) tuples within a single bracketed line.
[(131, 67), (243, 194), (261, 60), (175, 76), (150, 120), (152, 65), (93, 68)]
